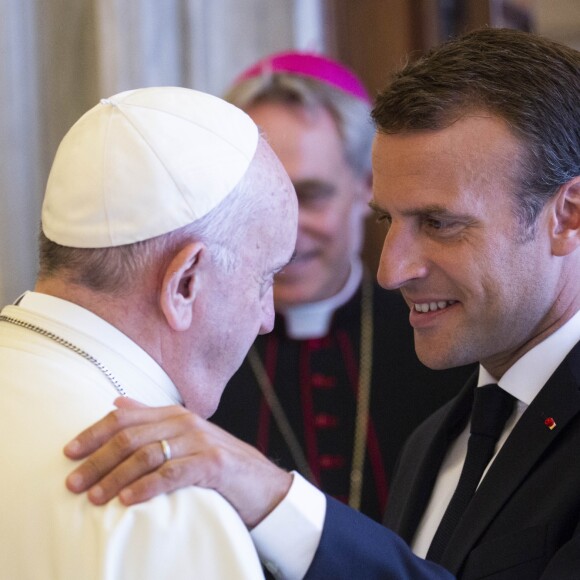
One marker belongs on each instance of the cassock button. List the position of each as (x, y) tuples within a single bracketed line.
[(322, 381), (318, 343), (331, 461), (325, 421)]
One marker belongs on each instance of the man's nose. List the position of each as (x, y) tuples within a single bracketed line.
[(402, 258)]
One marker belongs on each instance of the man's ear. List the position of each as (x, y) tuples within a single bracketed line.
[(180, 285), (565, 219), (364, 191)]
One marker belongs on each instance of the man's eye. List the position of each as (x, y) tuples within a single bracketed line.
[(435, 224), (384, 219), (442, 227), (313, 198)]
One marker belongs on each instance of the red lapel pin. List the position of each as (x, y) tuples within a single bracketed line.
[(550, 423)]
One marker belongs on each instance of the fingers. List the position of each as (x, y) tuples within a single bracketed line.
[(173, 475), (113, 467), (252, 484), (140, 464), (131, 451), (134, 453), (128, 403), (129, 414), (129, 454), (202, 468), (126, 458)]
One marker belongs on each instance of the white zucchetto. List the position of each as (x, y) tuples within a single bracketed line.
[(144, 163)]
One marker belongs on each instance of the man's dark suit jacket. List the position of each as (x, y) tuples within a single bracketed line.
[(523, 522)]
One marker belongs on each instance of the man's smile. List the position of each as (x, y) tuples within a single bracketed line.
[(432, 306)]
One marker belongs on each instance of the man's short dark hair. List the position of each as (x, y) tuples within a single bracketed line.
[(530, 82)]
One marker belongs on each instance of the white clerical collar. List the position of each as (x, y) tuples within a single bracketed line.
[(105, 342), (313, 320), (529, 374)]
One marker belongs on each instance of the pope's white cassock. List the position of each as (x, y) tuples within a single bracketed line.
[(48, 394)]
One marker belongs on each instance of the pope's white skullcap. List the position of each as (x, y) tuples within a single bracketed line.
[(144, 163)]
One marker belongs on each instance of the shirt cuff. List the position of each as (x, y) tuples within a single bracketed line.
[(288, 537)]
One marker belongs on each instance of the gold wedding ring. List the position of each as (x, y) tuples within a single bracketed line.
[(166, 449)]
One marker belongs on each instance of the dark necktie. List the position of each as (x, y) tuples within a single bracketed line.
[(491, 408)]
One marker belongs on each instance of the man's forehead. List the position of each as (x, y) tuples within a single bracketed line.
[(474, 153)]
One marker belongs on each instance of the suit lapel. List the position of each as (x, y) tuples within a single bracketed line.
[(560, 399)]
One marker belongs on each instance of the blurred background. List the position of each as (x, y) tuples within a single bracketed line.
[(59, 57)]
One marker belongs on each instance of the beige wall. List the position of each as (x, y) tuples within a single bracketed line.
[(559, 19)]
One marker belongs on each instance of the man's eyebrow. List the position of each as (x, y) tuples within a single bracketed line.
[(375, 207), (314, 186), (434, 210)]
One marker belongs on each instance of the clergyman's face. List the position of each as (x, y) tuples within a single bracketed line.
[(476, 288), (332, 200), (239, 304)]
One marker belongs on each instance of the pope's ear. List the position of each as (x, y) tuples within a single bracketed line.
[(565, 230), (180, 286)]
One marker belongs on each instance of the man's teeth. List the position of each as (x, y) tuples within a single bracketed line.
[(432, 306)]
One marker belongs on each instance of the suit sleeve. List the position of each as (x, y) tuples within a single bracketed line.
[(354, 546)]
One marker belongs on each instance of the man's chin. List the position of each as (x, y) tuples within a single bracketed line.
[(291, 295), (439, 359)]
